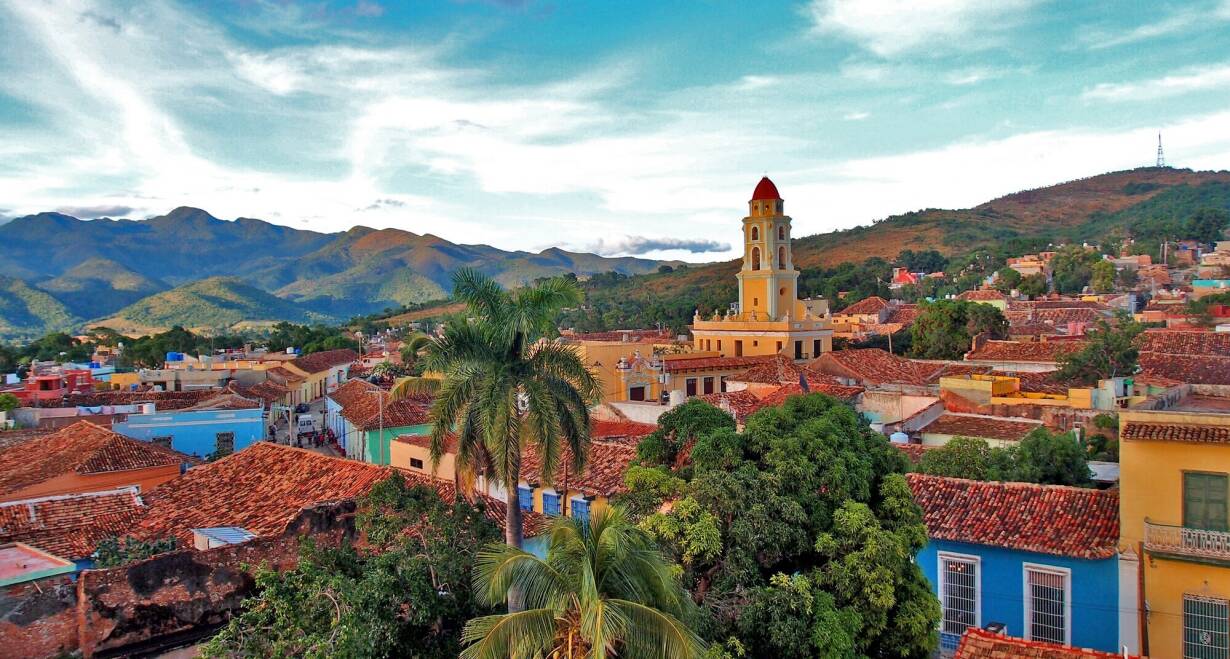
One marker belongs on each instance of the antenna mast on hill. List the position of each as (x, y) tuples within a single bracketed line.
[(1161, 159)]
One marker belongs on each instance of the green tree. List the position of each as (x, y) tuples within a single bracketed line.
[(9, 402), (504, 388), (1033, 285), (967, 457), (1110, 351), (945, 329), (1051, 459), (1127, 278), (604, 590), (1007, 280), (679, 427), (1072, 268), (1207, 225), (1102, 279), (805, 486), (116, 552), (410, 598), (412, 348)]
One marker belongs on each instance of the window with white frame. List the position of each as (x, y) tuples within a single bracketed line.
[(959, 581), (1048, 604), (1206, 627)]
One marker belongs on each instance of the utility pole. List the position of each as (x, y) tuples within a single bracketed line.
[(1161, 158)]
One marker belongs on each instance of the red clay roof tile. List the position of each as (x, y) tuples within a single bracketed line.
[(865, 306), (1175, 432), (986, 427), (325, 360), (1193, 369), (1216, 344), (1036, 352), (70, 526), (981, 644)]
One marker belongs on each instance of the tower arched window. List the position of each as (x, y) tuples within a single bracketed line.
[(755, 233), (755, 257), (781, 233), (781, 258)]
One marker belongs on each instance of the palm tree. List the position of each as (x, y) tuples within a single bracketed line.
[(604, 590), (411, 348), (503, 388)]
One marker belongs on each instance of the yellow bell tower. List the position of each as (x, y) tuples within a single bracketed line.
[(768, 282)]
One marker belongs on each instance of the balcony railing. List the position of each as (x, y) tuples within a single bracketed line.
[(1184, 542)]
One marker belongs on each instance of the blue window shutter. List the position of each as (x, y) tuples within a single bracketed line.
[(526, 498), (550, 503), (580, 510)]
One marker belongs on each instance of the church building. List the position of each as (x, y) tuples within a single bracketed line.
[(770, 318)]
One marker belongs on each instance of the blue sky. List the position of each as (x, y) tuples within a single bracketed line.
[(617, 127)]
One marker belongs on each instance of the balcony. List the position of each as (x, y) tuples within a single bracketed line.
[(1190, 544)]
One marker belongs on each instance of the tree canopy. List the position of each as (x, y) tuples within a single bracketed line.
[(1041, 457), (1110, 351), (945, 329)]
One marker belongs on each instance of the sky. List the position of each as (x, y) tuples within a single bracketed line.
[(622, 128)]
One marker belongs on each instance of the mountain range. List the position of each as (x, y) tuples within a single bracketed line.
[(190, 268)]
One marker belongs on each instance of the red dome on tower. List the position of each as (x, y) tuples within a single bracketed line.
[(765, 190)]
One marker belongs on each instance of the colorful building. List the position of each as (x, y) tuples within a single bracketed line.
[(769, 318), (1175, 485), (1038, 562), (602, 353), (366, 419), (321, 372), (218, 426)]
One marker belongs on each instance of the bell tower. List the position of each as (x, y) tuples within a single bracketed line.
[(768, 282)]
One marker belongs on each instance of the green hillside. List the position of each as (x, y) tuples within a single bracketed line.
[(26, 312), (98, 287), (214, 303)]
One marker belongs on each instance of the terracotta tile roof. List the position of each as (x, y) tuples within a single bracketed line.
[(268, 391), (740, 404), (81, 448), (987, 427), (624, 336), (362, 408), (1057, 304), (913, 451), (226, 401), (1186, 342), (351, 391), (627, 432), (1175, 432), (325, 360), (162, 400), (981, 644), (982, 295), (778, 369), (903, 314), (1193, 369), (1031, 329), (1036, 352), (1047, 519), (70, 526), (284, 374), (13, 437), (712, 363), (261, 489), (865, 306), (603, 474), (779, 396), (875, 366), (1040, 383), (1054, 317)]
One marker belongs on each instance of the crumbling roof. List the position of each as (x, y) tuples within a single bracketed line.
[(987, 427), (81, 448), (1036, 352), (628, 432), (1047, 519), (70, 526), (981, 644), (325, 360), (261, 488), (1175, 432)]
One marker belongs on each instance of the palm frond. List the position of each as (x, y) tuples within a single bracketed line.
[(499, 568), (409, 386), (657, 634), (528, 633)]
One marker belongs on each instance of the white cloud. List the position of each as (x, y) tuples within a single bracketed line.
[(856, 116), (890, 27), (1192, 80), (1183, 21)]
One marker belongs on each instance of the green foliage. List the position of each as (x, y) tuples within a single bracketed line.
[(1072, 268), (1007, 280), (150, 351), (308, 338), (1033, 285), (945, 329), (680, 426), (648, 488), (604, 590), (1110, 351), (27, 312), (58, 346), (1207, 225), (808, 490), (216, 302), (117, 552), (922, 261), (1102, 279), (967, 457), (1040, 457), (9, 402), (410, 599)]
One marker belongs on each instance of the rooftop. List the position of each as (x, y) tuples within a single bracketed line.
[(20, 563), (1036, 352), (981, 644), (740, 404), (867, 305), (1047, 519), (81, 448), (624, 336), (261, 489), (765, 190), (322, 361), (987, 427), (70, 526), (1175, 432), (1193, 369), (982, 295), (876, 366), (1215, 344), (603, 474), (711, 363)]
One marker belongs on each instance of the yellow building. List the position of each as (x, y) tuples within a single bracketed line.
[(769, 318), (1174, 487), (602, 352)]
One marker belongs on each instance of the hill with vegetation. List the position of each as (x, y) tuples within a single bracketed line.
[(216, 303), (1147, 205), (26, 312), (98, 287)]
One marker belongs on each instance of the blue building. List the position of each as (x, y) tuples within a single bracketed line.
[(224, 424), (1039, 560)]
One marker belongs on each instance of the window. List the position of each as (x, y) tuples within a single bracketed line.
[(690, 386), (1205, 633), (959, 593), (781, 233), (550, 503), (779, 346), (525, 498), (164, 441), (755, 258), (781, 260), (580, 509), (798, 349), (738, 348), (719, 345), (1047, 604), (815, 347), (224, 443), (755, 233), (1204, 501), (416, 463), (709, 385)]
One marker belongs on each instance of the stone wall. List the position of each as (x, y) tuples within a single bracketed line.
[(145, 604)]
